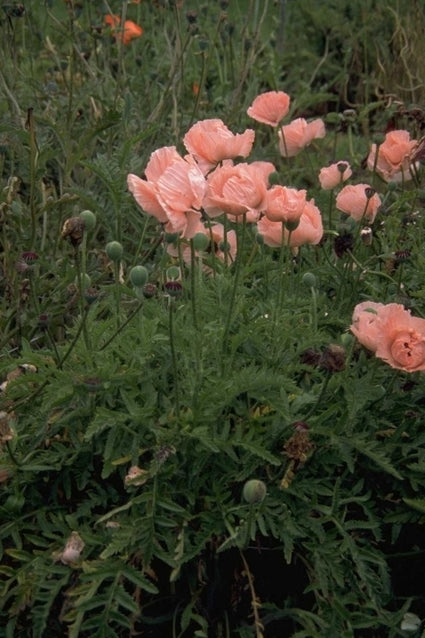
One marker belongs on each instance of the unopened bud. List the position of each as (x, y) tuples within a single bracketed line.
[(114, 250), (138, 276), (254, 491), (309, 279), (200, 241), (89, 219)]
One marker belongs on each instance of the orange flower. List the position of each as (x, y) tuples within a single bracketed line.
[(299, 133), (308, 231), (270, 108), (112, 20), (391, 333), (210, 142), (359, 201), (130, 31), (394, 156), (333, 175)]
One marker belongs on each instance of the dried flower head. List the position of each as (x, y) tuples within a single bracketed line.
[(333, 358), (73, 229), (136, 476), (73, 548)]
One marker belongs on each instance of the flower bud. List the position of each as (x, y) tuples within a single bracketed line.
[(173, 273), (114, 250), (138, 276), (309, 280), (254, 491), (149, 290), (173, 288), (89, 219), (200, 241)]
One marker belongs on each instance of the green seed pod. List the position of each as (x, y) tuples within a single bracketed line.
[(254, 491), (347, 340), (114, 250), (173, 273), (89, 219), (200, 241), (138, 276), (309, 280)]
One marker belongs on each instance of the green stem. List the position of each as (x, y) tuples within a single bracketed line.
[(193, 284), (81, 328), (173, 355), (81, 288), (239, 258), (320, 397), (122, 326)]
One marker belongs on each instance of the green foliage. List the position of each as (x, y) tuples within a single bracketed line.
[(132, 416)]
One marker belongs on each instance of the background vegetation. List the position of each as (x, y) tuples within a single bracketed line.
[(99, 376)]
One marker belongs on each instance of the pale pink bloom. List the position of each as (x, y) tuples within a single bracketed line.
[(299, 133), (145, 191), (394, 156), (333, 175), (237, 189), (285, 204), (367, 320), (173, 191), (308, 231), (359, 201), (392, 334), (210, 142), (270, 108), (181, 190)]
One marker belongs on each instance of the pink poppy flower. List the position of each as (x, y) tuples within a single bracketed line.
[(333, 175), (394, 156), (181, 190), (308, 231), (359, 201), (392, 334), (210, 142), (173, 191), (285, 204), (145, 191), (367, 320), (299, 133), (237, 189), (270, 108)]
